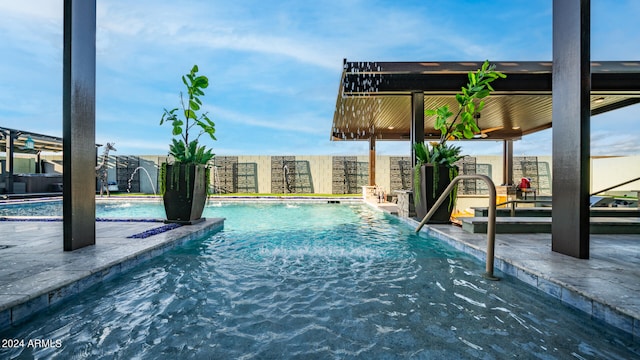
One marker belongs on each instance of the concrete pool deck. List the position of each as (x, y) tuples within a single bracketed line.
[(36, 273)]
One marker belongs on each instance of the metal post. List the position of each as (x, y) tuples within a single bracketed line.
[(79, 98), (507, 162), (372, 161), (571, 80), (9, 137), (417, 122)]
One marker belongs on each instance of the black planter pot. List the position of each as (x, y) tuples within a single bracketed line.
[(185, 193), (428, 198)]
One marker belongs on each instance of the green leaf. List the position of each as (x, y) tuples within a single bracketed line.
[(484, 93), (471, 106), (474, 127), (201, 82), (467, 117), (190, 114), (480, 106)]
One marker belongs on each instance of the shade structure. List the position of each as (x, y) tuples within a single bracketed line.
[(374, 98), (40, 143)]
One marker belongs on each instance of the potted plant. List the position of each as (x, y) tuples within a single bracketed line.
[(435, 167), (184, 183)]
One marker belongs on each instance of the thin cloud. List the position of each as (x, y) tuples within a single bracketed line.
[(42, 10), (274, 67), (289, 123), (614, 143)]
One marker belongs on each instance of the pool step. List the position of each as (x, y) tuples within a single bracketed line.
[(546, 211), (520, 224)]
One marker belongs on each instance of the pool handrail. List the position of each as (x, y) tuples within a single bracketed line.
[(491, 224)]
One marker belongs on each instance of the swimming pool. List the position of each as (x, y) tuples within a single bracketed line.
[(314, 281)]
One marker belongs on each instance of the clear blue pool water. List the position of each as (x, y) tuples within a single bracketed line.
[(287, 281)]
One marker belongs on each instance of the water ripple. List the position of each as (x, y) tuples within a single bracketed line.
[(354, 284)]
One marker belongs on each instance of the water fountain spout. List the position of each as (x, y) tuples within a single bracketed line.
[(216, 180), (286, 186), (148, 177)]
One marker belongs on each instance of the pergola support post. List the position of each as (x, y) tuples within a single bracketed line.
[(372, 161), (79, 98), (9, 160), (571, 127), (507, 162), (417, 122)]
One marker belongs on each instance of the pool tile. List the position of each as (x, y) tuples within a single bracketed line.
[(5, 319), (527, 277), (577, 300), (508, 268), (612, 317), (550, 288), (23, 311), (63, 293)]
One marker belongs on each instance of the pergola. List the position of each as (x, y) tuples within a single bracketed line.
[(14, 141), (27, 142), (380, 101)]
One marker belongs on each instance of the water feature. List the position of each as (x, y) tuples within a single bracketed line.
[(285, 175), (216, 180), (314, 281), (134, 174), (364, 103)]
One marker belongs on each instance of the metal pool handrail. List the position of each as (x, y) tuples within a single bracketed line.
[(491, 225)]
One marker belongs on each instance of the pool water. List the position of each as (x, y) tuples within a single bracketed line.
[(110, 209), (324, 281)]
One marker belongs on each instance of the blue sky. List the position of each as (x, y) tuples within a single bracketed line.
[(274, 66)]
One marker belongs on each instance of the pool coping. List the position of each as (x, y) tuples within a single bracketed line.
[(70, 278)]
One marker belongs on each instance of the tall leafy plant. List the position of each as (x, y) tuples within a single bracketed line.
[(185, 120), (186, 149), (461, 125)]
